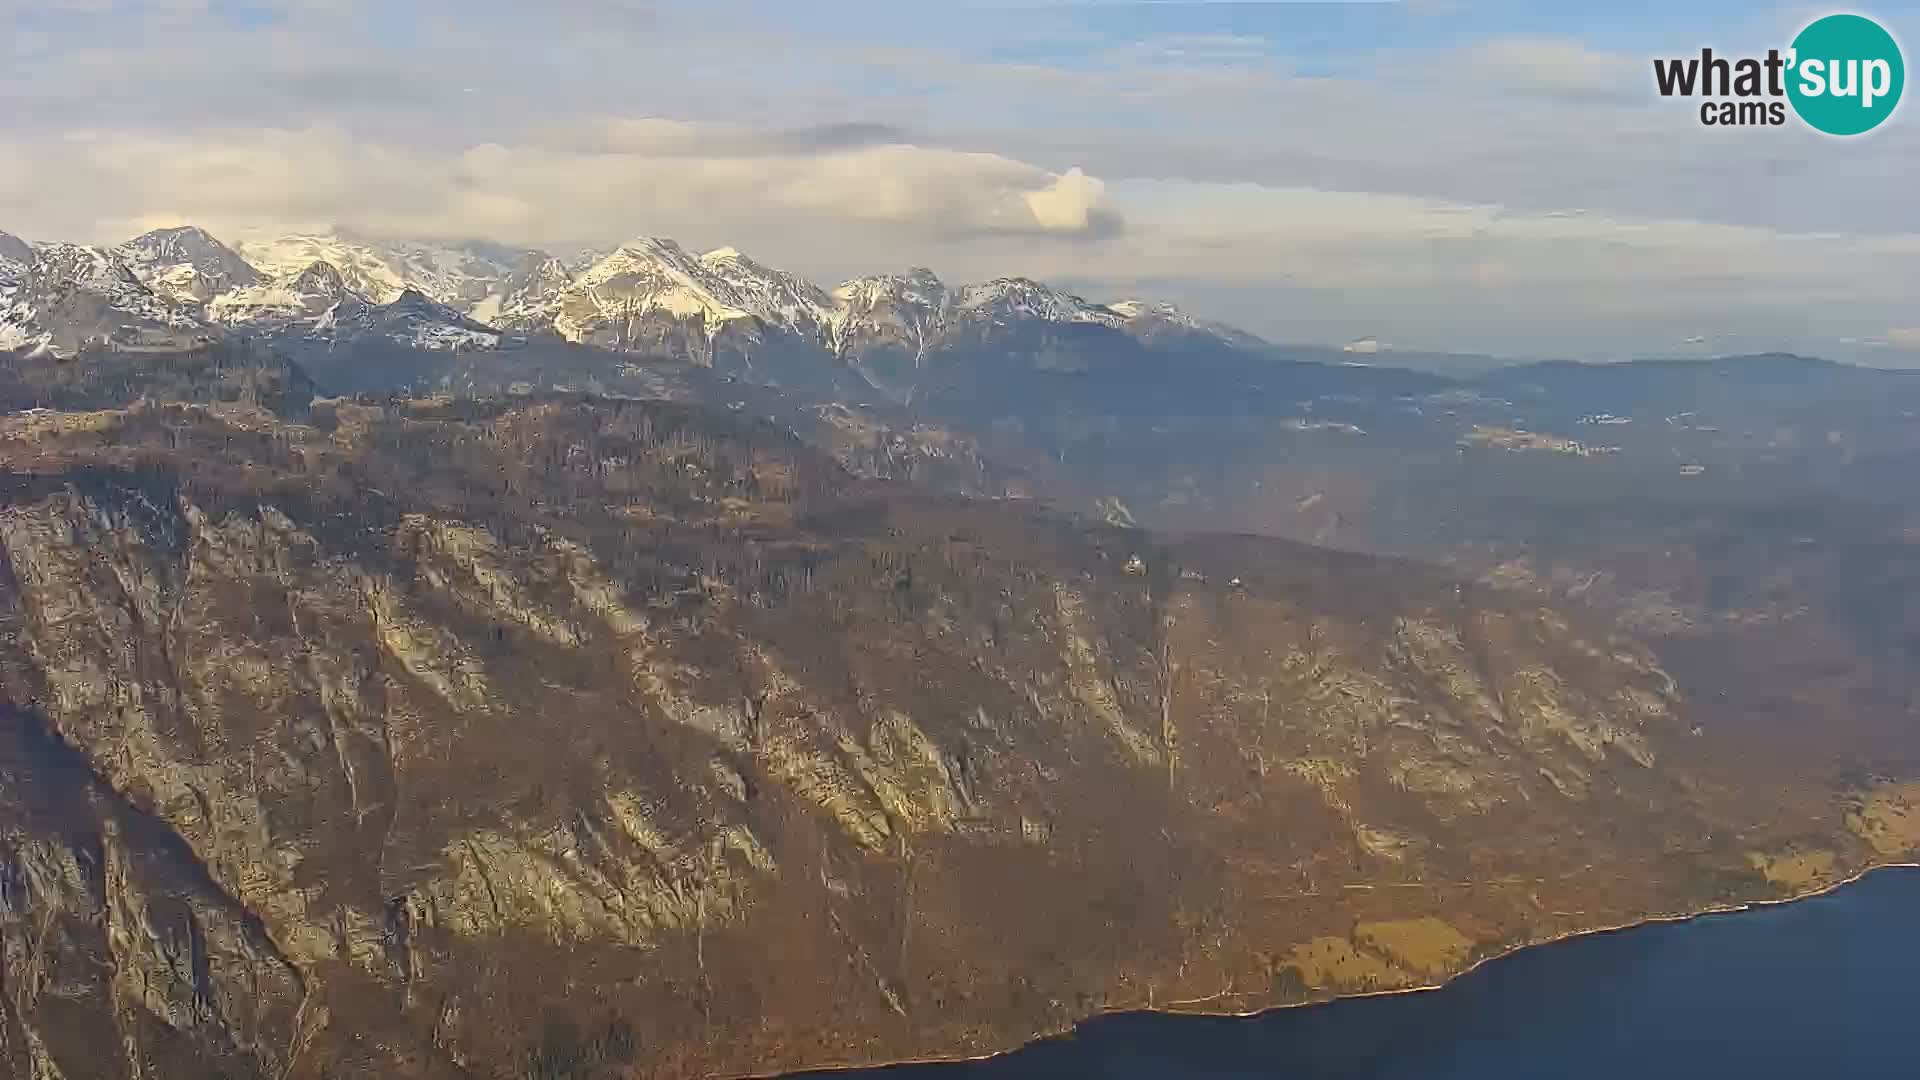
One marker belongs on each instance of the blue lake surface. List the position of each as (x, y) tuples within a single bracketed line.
[(1823, 988)]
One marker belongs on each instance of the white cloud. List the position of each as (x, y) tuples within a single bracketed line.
[(1071, 203), (1302, 264), (1557, 67), (1294, 263), (644, 175)]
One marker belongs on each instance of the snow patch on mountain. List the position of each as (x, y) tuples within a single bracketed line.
[(318, 304), (186, 264), (364, 271), (19, 327), (773, 295), (650, 294), (650, 277), (15, 255), (463, 275), (18, 331), (70, 270), (1150, 321), (63, 297), (585, 259), (919, 287), (458, 275), (100, 273), (914, 310), (1017, 298), (527, 299), (418, 320), (1141, 309), (279, 304)]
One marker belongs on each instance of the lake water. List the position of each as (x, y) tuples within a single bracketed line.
[(1823, 988)]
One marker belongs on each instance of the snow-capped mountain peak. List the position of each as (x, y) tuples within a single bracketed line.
[(1012, 298), (186, 264), (322, 279), (276, 304), (919, 286), (101, 273), (82, 265), (418, 319), (912, 310), (655, 257), (459, 274), (18, 328), (1150, 321), (1133, 309), (654, 274), (1164, 315), (188, 245), (773, 295), (650, 294), (64, 297), (525, 298), (362, 269), (319, 304), (14, 252), (585, 259)]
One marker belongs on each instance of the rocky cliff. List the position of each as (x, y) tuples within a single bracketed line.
[(565, 738)]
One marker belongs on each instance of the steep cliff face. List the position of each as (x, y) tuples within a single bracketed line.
[(561, 739)]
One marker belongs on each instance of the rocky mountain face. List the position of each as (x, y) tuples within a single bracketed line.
[(918, 314), (292, 306), (18, 331), (14, 252), (548, 736), (458, 275), (1723, 511), (65, 297), (186, 264), (720, 308), (413, 319), (526, 296)]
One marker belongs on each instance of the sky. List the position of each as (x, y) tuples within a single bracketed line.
[(1447, 175)]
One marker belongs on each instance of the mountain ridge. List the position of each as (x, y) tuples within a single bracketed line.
[(649, 295)]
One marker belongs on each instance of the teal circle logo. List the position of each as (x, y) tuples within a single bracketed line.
[(1845, 75)]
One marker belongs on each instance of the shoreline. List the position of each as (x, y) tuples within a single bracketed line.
[(1173, 1009)]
